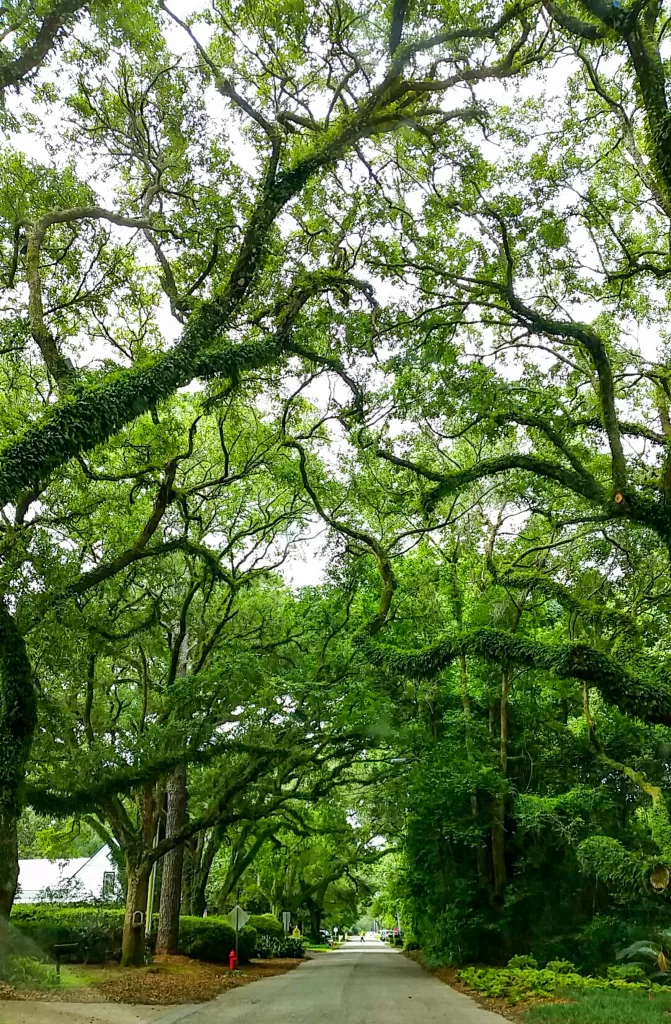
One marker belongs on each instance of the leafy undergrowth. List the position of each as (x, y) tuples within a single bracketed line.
[(529, 996), (520, 984), (167, 980), (594, 1006)]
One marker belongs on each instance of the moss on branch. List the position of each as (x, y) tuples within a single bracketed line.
[(647, 697), (100, 409)]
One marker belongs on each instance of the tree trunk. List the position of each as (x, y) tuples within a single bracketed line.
[(315, 922), (499, 846), (457, 597), (198, 901), (9, 859), (133, 944), (499, 804), (18, 717), (171, 885), (187, 880), (481, 851)]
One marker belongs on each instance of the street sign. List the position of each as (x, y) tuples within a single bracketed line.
[(238, 918), (286, 920)]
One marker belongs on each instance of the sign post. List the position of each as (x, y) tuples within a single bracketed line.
[(286, 920), (238, 918)]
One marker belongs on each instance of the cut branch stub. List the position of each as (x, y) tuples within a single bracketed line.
[(660, 877)]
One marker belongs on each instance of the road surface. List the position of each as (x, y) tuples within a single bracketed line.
[(360, 983)]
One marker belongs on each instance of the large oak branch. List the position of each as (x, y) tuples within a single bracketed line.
[(645, 695)]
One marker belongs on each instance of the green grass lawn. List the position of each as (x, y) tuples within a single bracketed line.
[(604, 1006), (72, 977)]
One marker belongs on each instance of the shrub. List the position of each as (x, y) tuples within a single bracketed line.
[(268, 947), (523, 960), (561, 967), (96, 932), (289, 947), (27, 972), (515, 984), (650, 957), (266, 924), (626, 972), (212, 938)]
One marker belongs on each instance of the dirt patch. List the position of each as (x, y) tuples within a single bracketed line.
[(166, 981)]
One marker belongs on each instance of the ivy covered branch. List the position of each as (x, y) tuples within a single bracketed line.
[(645, 695)]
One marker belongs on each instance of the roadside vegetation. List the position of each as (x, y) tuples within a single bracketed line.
[(601, 1007)]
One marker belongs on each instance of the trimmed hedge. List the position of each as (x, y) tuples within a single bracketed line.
[(266, 924), (212, 939), (99, 932), (272, 941)]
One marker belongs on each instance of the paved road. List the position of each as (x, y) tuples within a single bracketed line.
[(357, 984)]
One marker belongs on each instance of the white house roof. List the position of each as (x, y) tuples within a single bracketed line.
[(36, 874)]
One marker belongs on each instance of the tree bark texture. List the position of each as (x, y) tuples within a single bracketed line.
[(315, 922), (9, 859), (171, 885), (18, 717), (499, 804), (133, 943)]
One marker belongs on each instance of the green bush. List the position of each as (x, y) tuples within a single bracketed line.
[(266, 924), (561, 967), (28, 972), (212, 939), (515, 984), (626, 972), (269, 947), (523, 960), (96, 932)]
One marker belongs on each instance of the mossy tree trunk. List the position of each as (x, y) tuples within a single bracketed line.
[(171, 885), (9, 859), (138, 871), (499, 803), (18, 716)]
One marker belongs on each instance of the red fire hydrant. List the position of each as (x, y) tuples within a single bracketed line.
[(232, 960)]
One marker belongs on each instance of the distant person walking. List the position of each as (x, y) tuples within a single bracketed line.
[(363, 936)]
